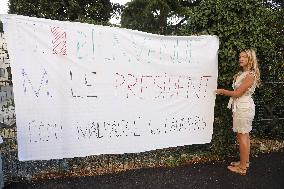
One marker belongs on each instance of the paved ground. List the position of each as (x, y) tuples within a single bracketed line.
[(265, 172)]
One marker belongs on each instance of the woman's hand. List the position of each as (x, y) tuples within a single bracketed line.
[(245, 85), (219, 91)]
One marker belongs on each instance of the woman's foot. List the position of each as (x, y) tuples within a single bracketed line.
[(237, 163), (237, 169)]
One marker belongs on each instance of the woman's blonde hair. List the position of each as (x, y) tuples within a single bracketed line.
[(253, 65)]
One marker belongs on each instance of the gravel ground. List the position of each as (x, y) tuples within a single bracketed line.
[(266, 171)]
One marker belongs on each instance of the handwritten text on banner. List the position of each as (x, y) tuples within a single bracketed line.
[(83, 89)]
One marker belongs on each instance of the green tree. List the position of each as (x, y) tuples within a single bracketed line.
[(94, 11), (153, 16), (242, 24)]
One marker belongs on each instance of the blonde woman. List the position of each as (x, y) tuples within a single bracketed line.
[(243, 108)]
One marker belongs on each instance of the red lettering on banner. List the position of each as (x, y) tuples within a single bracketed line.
[(161, 86), (58, 41)]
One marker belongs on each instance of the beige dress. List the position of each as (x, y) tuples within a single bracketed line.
[(243, 107)]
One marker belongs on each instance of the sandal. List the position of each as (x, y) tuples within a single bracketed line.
[(237, 163), (238, 170)]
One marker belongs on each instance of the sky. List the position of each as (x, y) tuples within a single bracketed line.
[(4, 8), (122, 2)]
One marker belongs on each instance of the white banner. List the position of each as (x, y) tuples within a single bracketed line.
[(83, 89)]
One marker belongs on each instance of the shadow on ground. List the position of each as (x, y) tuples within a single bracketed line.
[(266, 172)]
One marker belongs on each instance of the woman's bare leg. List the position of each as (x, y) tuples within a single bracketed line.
[(244, 148), (248, 144)]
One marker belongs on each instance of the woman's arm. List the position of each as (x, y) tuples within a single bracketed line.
[(245, 85)]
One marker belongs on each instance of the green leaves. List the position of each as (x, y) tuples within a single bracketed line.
[(243, 24), (94, 11), (153, 16)]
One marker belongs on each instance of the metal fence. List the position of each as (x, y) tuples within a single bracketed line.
[(268, 116)]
